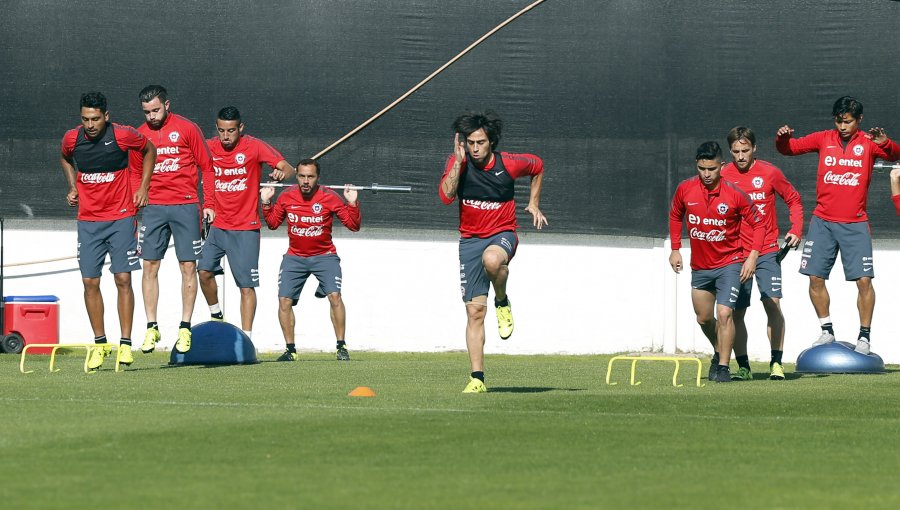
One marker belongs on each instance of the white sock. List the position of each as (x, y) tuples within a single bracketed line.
[(215, 308), (824, 320), (248, 333)]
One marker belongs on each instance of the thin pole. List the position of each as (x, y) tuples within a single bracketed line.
[(426, 80)]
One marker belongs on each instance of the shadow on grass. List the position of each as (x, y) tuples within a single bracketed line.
[(529, 389)]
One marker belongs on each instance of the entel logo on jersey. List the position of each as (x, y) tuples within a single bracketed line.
[(722, 208), (174, 136), (832, 161), (757, 182), (240, 158), (312, 219), (757, 195), (317, 208), (857, 150)]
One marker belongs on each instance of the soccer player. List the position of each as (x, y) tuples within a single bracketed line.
[(310, 211), (174, 209), (715, 209), (237, 159), (840, 222), (483, 180), (106, 213), (761, 181)]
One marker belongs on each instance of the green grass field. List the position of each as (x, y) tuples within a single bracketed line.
[(550, 434)]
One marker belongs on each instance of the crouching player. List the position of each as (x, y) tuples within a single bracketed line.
[(310, 211), (714, 209)]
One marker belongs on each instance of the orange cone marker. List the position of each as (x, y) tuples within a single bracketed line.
[(362, 391)]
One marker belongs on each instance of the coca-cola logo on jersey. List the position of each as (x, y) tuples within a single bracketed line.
[(713, 236), (482, 205), (98, 178), (232, 186), (307, 231), (844, 179), (167, 165)]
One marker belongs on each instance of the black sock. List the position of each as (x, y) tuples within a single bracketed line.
[(217, 315), (184, 325), (100, 339), (291, 348), (505, 302), (478, 375), (776, 357), (341, 344), (715, 359), (743, 361), (864, 332), (828, 327), (153, 325), (125, 341)]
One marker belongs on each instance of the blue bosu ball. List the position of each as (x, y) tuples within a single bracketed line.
[(838, 358), (216, 343)]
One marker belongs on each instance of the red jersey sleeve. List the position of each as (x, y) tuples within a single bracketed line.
[(447, 167), (896, 200), (792, 199), (68, 143), (128, 138), (676, 218), (520, 165), (887, 150), (268, 154), (794, 146), (349, 216), (274, 214), (750, 215), (204, 162)]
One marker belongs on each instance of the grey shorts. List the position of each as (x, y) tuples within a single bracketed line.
[(295, 270), (768, 279), (242, 249), (97, 238), (724, 282), (823, 241), (159, 223), (473, 281)]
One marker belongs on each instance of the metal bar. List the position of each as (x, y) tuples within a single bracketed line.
[(373, 187), (883, 166)]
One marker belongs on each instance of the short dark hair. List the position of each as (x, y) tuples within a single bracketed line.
[(230, 113), (741, 132), (151, 91), (94, 100), (473, 121), (709, 150), (849, 105), (310, 162)]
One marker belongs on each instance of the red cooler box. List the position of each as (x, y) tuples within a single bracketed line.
[(34, 318)]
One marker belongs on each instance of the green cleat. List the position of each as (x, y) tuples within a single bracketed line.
[(475, 386), (98, 354), (287, 356), (505, 320), (150, 338), (184, 340), (776, 372), (342, 354), (742, 374), (124, 355), (213, 318)]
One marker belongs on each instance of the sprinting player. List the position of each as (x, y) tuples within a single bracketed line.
[(714, 209), (840, 222), (310, 211), (106, 213), (174, 209), (761, 181), (483, 180), (237, 160)]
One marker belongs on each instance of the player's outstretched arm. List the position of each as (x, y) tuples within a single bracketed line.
[(533, 206), (283, 170), (450, 180), (142, 195), (69, 171)]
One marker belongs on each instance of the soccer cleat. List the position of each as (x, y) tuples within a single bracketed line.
[(287, 356), (824, 338), (150, 340), (342, 354), (98, 354), (184, 340), (475, 386), (723, 374), (505, 320), (213, 318), (124, 354), (776, 372), (743, 374), (862, 346), (711, 375)]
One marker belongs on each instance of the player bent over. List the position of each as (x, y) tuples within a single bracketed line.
[(310, 211), (761, 181), (714, 209), (483, 180), (840, 222)]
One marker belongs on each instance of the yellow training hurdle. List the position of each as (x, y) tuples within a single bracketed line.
[(55, 347), (635, 359)]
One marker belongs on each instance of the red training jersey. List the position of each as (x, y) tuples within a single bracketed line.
[(180, 152), (761, 182), (486, 204), (714, 221), (101, 177), (238, 172), (845, 172), (310, 220)]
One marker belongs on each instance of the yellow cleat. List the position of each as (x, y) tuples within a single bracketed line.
[(125, 356), (505, 320), (98, 354), (475, 386), (150, 338), (776, 372), (213, 318), (184, 340)]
